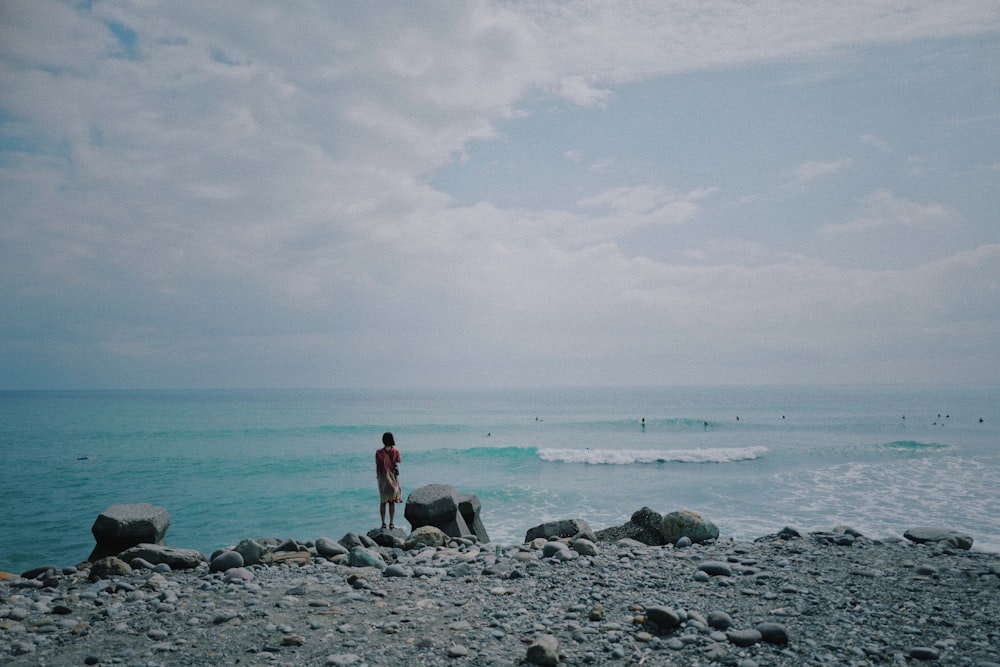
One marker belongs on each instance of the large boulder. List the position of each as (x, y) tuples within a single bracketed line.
[(177, 559), (563, 528), (643, 526), (686, 523), (440, 505), (123, 526)]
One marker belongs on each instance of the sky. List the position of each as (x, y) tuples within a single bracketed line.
[(498, 193)]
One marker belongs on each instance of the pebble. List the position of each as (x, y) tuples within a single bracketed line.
[(781, 601)]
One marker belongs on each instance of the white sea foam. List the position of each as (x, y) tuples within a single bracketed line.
[(630, 456)]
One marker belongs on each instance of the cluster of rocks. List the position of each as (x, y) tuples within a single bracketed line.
[(652, 528), (567, 596)]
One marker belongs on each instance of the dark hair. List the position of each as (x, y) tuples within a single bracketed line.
[(387, 439)]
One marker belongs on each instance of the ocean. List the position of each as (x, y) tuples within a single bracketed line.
[(229, 464)]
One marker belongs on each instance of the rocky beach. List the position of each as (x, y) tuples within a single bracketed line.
[(586, 598)]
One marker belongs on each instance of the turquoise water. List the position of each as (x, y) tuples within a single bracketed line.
[(230, 464)]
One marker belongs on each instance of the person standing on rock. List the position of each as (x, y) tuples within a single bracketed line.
[(387, 470)]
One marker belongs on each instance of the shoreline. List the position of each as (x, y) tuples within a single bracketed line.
[(823, 598)]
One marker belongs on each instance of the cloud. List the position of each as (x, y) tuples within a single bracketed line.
[(616, 212), (871, 140), (884, 210), (241, 193), (814, 169), (577, 90)]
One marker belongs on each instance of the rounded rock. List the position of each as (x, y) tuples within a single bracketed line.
[(227, 560), (744, 637), (773, 633), (715, 568), (686, 523), (457, 651), (719, 620), (924, 653), (664, 617)]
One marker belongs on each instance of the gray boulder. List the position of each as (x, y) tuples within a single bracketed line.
[(643, 526), (122, 526), (686, 523), (329, 549), (227, 560), (252, 551), (177, 559), (440, 505), (388, 537), (351, 540), (362, 557), (563, 528), (952, 538)]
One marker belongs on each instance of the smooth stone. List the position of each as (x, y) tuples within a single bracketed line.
[(584, 547), (924, 653), (457, 651), (719, 620), (744, 637), (552, 549), (329, 548), (227, 560), (362, 557), (715, 568), (397, 570), (664, 617), (773, 633)]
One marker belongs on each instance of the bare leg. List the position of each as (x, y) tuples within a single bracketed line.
[(392, 514), (381, 512)]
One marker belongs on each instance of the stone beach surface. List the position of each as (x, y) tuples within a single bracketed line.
[(793, 598)]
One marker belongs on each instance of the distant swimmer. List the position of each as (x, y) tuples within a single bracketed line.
[(706, 426), (737, 417), (980, 420), (643, 422)]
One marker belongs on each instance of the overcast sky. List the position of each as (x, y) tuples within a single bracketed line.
[(263, 194)]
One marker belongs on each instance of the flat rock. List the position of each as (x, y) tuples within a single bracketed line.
[(563, 528), (156, 554), (953, 538)]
